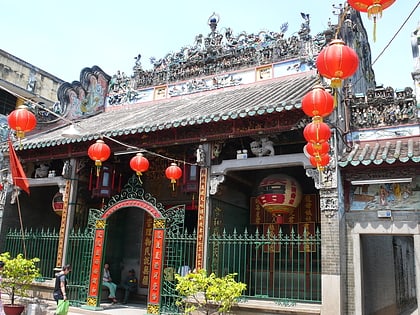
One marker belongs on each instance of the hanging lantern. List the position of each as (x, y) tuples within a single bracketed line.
[(173, 172), (99, 152), (373, 8), (21, 120), (337, 62), (318, 102), (317, 131), (279, 194), (58, 203), (320, 161), (139, 164), (317, 148)]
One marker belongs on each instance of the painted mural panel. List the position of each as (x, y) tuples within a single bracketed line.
[(386, 196), (84, 98)]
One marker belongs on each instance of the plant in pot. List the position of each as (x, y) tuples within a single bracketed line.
[(17, 276), (208, 294)]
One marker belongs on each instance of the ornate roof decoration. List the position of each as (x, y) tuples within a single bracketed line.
[(384, 126), (382, 107), (383, 152), (222, 51)]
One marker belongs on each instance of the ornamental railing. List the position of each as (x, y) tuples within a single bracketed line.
[(43, 243), (280, 266)]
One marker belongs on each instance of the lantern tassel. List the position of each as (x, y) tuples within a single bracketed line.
[(173, 182), (335, 92), (98, 167), (138, 175)]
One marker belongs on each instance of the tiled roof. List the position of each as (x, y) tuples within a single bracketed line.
[(382, 152), (238, 102)]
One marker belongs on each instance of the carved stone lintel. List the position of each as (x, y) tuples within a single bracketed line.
[(328, 202), (325, 179), (215, 180)]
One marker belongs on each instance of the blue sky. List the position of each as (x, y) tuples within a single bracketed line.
[(64, 37)]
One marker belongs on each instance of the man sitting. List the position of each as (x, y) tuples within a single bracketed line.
[(130, 285)]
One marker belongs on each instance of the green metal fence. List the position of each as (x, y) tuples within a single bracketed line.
[(43, 243), (285, 267)]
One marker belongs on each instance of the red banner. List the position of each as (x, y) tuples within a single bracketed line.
[(18, 175), (146, 254)]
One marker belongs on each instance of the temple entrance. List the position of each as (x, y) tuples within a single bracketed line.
[(132, 198)]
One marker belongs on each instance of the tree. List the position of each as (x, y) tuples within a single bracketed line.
[(208, 294), (17, 275)]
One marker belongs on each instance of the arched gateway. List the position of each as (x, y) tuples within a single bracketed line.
[(132, 195)]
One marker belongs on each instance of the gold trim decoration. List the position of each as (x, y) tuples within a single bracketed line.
[(100, 224), (63, 224), (91, 301), (159, 223), (152, 309)]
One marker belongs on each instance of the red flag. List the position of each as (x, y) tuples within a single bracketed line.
[(18, 175)]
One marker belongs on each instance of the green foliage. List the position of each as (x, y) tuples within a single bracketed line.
[(206, 293), (17, 275)]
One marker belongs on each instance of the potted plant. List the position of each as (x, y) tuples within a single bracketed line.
[(17, 275), (208, 294)]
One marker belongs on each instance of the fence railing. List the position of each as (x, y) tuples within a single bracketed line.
[(286, 267), (43, 243)]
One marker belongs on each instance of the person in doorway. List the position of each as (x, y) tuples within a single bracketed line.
[(130, 285), (107, 281), (60, 287)]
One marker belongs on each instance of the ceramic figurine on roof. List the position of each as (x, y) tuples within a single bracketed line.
[(218, 54)]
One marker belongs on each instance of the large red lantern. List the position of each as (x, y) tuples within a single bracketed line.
[(279, 194), (318, 102), (317, 148), (373, 8), (21, 120), (317, 131), (173, 172), (139, 164), (337, 62), (99, 152), (320, 161)]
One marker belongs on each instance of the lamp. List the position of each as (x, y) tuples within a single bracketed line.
[(71, 132), (382, 181)]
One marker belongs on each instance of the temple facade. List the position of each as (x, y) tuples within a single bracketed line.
[(226, 112)]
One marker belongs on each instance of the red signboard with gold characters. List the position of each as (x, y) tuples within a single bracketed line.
[(95, 275), (146, 255), (156, 266)]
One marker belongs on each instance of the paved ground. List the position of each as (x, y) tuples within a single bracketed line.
[(107, 309)]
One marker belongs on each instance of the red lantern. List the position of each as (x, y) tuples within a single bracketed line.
[(173, 172), (373, 8), (318, 102), (139, 164), (317, 131), (337, 62), (317, 148), (21, 120), (319, 161), (279, 194), (99, 152)]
